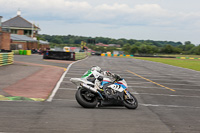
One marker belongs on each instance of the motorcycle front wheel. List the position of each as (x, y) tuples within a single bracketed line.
[(130, 103), (86, 98)]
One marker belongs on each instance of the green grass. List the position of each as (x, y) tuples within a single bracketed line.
[(190, 64), (180, 55)]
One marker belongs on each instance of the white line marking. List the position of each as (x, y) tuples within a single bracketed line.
[(73, 73), (140, 83), (60, 81), (67, 82), (64, 99), (67, 89), (165, 75), (144, 87), (165, 79), (165, 84), (180, 84), (171, 106), (142, 104), (165, 95), (138, 87)]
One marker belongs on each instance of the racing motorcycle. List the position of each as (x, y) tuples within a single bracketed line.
[(108, 92)]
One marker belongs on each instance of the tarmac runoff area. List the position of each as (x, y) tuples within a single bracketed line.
[(24, 80), (168, 99)]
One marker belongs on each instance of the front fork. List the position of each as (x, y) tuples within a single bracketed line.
[(127, 96)]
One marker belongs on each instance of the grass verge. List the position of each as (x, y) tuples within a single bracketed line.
[(179, 55), (190, 64)]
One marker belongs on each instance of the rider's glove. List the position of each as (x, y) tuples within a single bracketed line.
[(107, 73)]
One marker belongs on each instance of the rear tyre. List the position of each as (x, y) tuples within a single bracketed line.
[(130, 103), (86, 98)]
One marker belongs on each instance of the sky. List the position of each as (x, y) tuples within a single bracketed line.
[(159, 20)]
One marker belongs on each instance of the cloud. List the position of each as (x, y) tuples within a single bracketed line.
[(153, 19), (54, 8), (112, 14)]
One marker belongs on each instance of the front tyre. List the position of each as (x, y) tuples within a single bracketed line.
[(86, 98), (130, 103)]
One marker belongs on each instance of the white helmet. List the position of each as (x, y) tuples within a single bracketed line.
[(96, 68)]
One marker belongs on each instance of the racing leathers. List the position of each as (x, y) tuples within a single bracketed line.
[(96, 76)]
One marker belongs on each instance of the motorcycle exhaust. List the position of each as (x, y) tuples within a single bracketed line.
[(92, 89), (89, 87)]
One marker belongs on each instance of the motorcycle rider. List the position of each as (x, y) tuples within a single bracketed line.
[(96, 75), (93, 92), (101, 80)]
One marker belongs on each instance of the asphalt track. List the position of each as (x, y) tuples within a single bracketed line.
[(169, 101)]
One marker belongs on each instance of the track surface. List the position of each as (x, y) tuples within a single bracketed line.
[(169, 101)]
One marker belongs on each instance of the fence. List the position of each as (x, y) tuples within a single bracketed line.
[(6, 58)]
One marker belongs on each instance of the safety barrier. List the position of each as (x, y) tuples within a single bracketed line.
[(115, 55), (191, 58), (22, 52), (59, 55), (6, 58), (16, 52)]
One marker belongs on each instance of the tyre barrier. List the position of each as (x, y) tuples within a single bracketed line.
[(191, 58), (6, 58), (59, 55), (16, 52), (115, 55), (21, 52)]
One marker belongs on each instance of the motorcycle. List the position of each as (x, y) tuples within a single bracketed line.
[(107, 92)]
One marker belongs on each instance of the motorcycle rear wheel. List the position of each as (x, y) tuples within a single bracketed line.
[(130, 103), (86, 98)]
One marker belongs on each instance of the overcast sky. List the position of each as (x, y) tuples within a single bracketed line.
[(165, 20)]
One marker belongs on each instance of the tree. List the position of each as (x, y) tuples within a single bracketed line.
[(134, 49), (120, 42), (188, 46), (126, 48), (112, 41), (169, 49), (195, 50), (132, 41), (57, 40), (138, 43), (143, 49), (154, 49)]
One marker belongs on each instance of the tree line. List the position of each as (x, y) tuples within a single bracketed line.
[(129, 46)]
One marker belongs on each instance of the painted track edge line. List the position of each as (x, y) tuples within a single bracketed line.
[(59, 82)]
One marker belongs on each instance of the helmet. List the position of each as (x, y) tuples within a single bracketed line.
[(96, 68)]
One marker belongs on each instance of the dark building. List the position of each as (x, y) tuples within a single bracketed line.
[(4, 38), (19, 25), (23, 34)]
